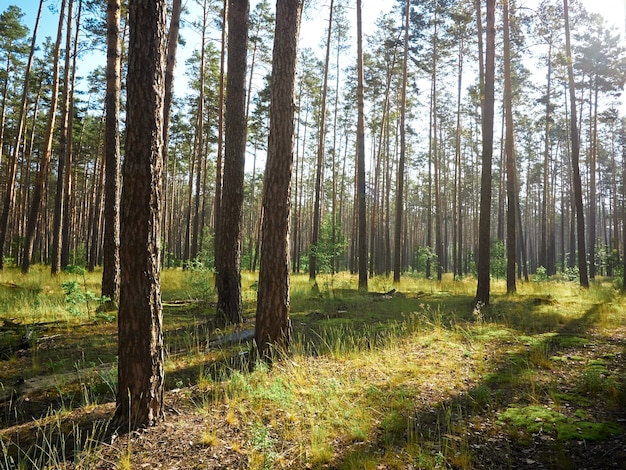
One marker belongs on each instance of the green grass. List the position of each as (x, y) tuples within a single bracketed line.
[(420, 378)]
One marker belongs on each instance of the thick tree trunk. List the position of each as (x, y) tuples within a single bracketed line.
[(140, 349), (228, 275), (272, 316)]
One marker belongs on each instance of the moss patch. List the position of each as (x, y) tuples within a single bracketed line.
[(533, 419)]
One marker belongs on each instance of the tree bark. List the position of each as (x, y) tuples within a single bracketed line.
[(59, 198), (360, 151), (228, 275), (44, 167), (220, 133), (170, 65), (575, 143), (272, 316), (111, 259), (321, 150), (12, 162), (484, 230), (140, 349), (397, 253), (511, 250)]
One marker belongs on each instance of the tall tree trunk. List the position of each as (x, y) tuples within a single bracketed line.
[(44, 167), (360, 150), (228, 275), (321, 150), (436, 159), (199, 143), (623, 141), (484, 230), (272, 315), (511, 250), (397, 253), (457, 248), (12, 162), (545, 223), (220, 133), (575, 143), (59, 199), (140, 348), (111, 258), (593, 156), (69, 214), (170, 65)]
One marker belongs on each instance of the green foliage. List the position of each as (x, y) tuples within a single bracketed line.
[(265, 445), (498, 259), (201, 280), (541, 275), (328, 251), (79, 299), (424, 255), (571, 273)]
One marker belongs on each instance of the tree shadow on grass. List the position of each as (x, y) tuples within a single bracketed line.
[(531, 410)]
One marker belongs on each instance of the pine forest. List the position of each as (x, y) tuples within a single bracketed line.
[(353, 233)]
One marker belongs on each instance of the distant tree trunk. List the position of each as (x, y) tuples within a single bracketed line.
[(140, 350), (511, 179), (111, 258), (577, 184), (228, 275), (397, 254), (95, 231), (360, 150), (272, 315), (439, 249), (220, 133), (484, 231), (12, 161), (69, 214), (457, 232), (623, 143), (170, 65), (593, 198), (199, 144), (59, 199), (321, 150), (545, 223), (44, 167)]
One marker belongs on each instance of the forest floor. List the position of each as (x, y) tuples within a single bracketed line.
[(415, 378)]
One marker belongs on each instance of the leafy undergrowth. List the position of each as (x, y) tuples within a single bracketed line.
[(414, 378)]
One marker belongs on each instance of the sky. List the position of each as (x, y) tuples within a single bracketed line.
[(312, 28)]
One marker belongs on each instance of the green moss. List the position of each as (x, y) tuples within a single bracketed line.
[(572, 341), (586, 430), (576, 358), (533, 419), (558, 359), (571, 398)]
